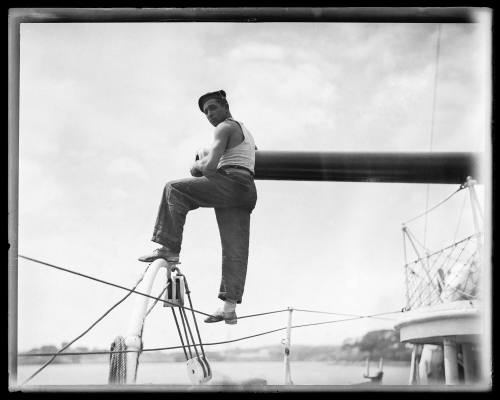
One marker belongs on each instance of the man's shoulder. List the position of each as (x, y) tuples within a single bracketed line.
[(227, 127), (230, 123)]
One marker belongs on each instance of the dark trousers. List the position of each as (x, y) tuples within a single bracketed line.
[(232, 194)]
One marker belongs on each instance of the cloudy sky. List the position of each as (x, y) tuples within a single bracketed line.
[(108, 114)]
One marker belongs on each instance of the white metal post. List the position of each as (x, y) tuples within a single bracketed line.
[(288, 377), (450, 361), (414, 377), (133, 339), (468, 361)]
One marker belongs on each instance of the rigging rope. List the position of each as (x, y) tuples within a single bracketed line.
[(432, 119), (428, 210), (131, 290), (88, 329), (455, 289), (415, 240), (180, 333), (260, 314), (217, 343), (119, 348), (188, 292), (106, 282), (459, 218), (445, 248), (334, 313), (157, 298), (454, 270)]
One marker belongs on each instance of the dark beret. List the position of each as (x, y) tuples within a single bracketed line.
[(219, 94)]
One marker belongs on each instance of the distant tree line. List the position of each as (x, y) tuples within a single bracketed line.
[(374, 344), (70, 359)]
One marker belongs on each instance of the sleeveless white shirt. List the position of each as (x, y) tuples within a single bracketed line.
[(243, 154)]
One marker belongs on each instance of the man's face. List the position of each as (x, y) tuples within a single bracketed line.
[(215, 112)]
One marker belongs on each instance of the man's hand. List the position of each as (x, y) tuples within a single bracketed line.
[(195, 171), (201, 153)]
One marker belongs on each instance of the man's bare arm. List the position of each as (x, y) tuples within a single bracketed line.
[(208, 164)]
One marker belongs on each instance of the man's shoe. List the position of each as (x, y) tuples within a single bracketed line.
[(228, 317), (162, 252)]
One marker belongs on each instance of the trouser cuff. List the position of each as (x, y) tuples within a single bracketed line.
[(223, 296), (166, 243)]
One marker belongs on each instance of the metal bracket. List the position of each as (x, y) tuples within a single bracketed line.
[(174, 295)]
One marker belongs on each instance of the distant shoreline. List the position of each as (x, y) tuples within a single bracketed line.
[(373, 363), (375, 345)]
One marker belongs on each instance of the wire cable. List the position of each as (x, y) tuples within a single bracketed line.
[(134, 291), (216, 343), (181, 309), (335, 313), (459, 218), (438, 40), (107, 283), (263, 313), (435, 206), (445, 248), (87, 330)]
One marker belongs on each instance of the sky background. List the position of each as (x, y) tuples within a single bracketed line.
[(108, 115)]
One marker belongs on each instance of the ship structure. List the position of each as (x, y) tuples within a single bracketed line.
[(443, 317)]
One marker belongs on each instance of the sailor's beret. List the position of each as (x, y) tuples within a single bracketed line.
[(219, 94)]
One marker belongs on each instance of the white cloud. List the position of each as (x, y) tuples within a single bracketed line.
[(39, 192), (257, 51), (128, 167)]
